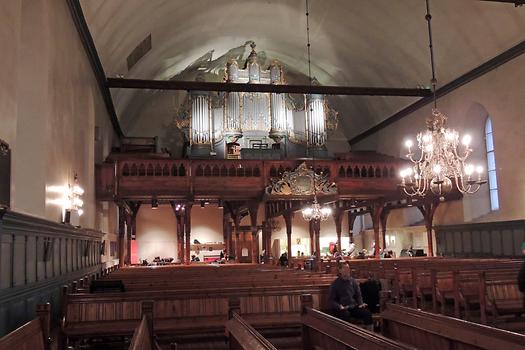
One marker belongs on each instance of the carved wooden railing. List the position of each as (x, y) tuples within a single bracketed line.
[(242, 178)]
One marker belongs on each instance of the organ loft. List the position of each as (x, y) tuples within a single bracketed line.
[(296, 174)]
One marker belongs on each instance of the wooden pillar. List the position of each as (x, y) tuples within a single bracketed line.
[(127, 261), (177, 211), (288, 215), (236, 229), (317, 232), (131, 227), (269, 228), (312, 237), (428, 208), (225, 235), (351, 221), (121, 233), (338, 218), (231, 246), (375, 212), (383, 219), (187, 227), (253, 220)]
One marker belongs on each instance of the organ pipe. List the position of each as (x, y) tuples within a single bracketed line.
[(315, 121)]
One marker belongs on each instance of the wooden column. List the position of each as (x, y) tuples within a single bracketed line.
[(317, 231), (383, 219), (268, 239), (288, 221), (236, 223), (225, 235), (428, 208), (179, 230), (338, 218), (312, 237), (131, 222), (121, 234), (187, 227), (351, 221), (127, 260), (375, 212), (253, 220)]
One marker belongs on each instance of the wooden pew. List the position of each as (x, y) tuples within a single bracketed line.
[(429, 331), (33, 335), (242, 336), (185, 311), (143, 338), (322, 331)]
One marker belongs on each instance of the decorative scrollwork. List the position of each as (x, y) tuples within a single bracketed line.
[(302, 182)]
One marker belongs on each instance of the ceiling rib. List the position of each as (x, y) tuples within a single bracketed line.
[(87, 41), (289, 89), (475, 73)]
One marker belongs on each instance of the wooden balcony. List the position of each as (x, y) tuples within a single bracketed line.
[(134, 178)]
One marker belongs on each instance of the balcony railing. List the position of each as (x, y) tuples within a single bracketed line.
[(131, 178)]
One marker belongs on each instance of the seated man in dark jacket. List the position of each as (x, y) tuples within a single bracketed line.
[(345, 300)]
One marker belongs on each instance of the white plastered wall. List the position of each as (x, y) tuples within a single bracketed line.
[(49, 107), (498, 94)]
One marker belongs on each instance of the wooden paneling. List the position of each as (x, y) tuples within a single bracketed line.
[(493, 239), (34, 264)]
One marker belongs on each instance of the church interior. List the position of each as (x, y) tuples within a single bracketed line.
[(248, 174)]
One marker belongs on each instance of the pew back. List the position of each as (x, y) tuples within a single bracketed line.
[(326, 332), (436, 332), (242, 336)]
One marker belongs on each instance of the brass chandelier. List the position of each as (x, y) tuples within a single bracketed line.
[(441, 164)]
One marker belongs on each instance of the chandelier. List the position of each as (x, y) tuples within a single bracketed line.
[(441, 165), (314, 211)]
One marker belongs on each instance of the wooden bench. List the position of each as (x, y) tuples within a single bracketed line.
[(33, 335), (143, 337), (242, 336), (322, 331), (429, 331), (185, 311)]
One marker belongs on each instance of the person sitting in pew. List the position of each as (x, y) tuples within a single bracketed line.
[(345, 299), (283, 260)]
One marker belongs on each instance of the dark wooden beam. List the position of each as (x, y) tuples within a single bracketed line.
[(475, 73), (89, 46), (288, 89), (515, 2)]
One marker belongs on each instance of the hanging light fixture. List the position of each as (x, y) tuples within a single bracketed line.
[(441, 164), (313, 211)]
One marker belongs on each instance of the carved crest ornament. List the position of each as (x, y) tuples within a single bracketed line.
[(303, 181)]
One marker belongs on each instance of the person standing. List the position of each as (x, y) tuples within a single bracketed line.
[(345, 299)]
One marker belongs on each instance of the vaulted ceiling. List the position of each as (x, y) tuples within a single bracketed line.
[(354, 42)]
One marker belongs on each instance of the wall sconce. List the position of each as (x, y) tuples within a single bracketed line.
[(70, 200)]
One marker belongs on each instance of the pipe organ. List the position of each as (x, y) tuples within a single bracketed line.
[(278, 124)]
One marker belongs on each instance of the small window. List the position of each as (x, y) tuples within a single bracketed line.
[(491, 166)]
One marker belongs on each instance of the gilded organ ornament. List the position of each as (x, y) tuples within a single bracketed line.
[(302, 181)]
